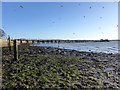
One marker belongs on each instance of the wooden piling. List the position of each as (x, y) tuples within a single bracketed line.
[(27, 41), (9, 45), (58, 41), (51, 41), (15, 50), (20, 41), (55, 41), (38, 41), (32, 41), (43, 41)]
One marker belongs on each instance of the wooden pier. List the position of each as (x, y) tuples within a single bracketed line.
[(20, 41)]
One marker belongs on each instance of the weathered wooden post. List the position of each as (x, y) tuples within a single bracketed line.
[(51, 41), (20, 41), (9, 43), (15, 50), (38, 41), (32, 41), (42, 41), (55, 41), (27, 41), (58, 41)]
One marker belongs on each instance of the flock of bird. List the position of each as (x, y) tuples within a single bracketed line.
[(63, 6)]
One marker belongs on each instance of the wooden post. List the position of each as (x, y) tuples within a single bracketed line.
[(20, 41), (42, 41), (15, 50), (38, 41), (51, 41), (26, 41), (32, 41), (58, 41), (55, 41), (9, 43)]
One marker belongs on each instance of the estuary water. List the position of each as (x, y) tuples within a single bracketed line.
[(104, 47)]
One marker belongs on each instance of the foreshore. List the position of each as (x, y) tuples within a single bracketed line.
[(48, 67)]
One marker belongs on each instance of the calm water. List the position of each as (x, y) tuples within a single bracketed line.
[(105, 47)]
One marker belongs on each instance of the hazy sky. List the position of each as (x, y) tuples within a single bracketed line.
[(60, 20)]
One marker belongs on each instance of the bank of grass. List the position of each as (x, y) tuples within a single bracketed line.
[(46, 71)]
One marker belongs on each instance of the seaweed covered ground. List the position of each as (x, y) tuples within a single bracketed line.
[(47, 67)]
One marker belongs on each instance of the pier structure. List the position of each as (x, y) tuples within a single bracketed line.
[(59, 41), (21, 41)]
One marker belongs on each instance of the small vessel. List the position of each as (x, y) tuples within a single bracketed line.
[(104, 40)]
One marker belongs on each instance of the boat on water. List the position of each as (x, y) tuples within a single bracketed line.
[(104, 40)]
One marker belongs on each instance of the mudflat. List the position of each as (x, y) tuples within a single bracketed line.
[(47, 67)]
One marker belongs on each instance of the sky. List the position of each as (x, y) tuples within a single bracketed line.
[(60, 20)]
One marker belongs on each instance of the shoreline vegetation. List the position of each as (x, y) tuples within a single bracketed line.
[(48, 67)]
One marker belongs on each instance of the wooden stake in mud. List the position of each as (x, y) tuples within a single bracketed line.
[(9, 43), (26, 41), (15, 50), (32, 41), (20, 41)]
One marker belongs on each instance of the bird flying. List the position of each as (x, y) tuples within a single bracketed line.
[(21, 6)]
